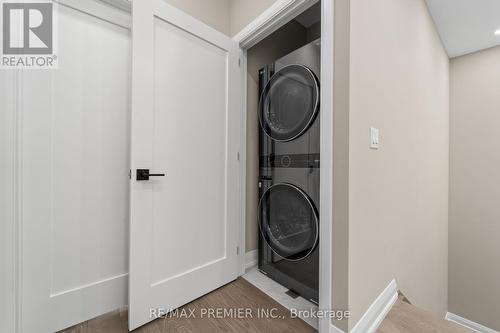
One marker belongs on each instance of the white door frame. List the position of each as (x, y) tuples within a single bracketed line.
[(10, 220), (281, 12)]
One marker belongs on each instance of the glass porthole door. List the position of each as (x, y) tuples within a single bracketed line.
[(288, 221), (289, 103)]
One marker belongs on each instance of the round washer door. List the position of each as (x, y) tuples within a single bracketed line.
[(289, 103), (288, 221)]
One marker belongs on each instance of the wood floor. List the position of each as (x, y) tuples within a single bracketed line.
[(406, 318), (238, 294), (403, 318)]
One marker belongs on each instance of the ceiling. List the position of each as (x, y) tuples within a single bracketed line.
[(466, 26)]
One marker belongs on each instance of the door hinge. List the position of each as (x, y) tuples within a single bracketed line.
[(239, 62), (238, 156), (237, 250)]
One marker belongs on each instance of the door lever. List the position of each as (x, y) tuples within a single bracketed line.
[(143, 174)]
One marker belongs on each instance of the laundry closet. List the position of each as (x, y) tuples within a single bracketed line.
[(283, 161)]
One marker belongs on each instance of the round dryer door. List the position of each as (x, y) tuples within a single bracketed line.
[(289, 103), (288, 221)]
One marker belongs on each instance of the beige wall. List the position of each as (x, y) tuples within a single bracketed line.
[(227, 16), (280, 43), (398, 195), (242, 12), (474, 284), (340, 223), (214, 13)]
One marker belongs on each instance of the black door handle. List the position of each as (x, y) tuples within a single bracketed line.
[(143, 174)]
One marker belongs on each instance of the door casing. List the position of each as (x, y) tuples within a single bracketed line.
[(265, 24)]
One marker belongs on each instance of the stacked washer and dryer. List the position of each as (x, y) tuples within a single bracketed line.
[(289, 170)]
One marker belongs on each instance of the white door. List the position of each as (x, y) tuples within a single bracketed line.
[(74, 164), (185, 125)]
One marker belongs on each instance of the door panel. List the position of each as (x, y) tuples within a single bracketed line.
[(75, 157), (185, 121), (195, 177)]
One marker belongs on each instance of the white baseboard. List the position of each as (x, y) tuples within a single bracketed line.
[(468, 324), (379, 309), (334, 329), (250, 260)]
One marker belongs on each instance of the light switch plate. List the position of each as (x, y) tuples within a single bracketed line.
[(374, 138)]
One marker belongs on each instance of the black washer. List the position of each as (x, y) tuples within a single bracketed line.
[(288, 221)]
